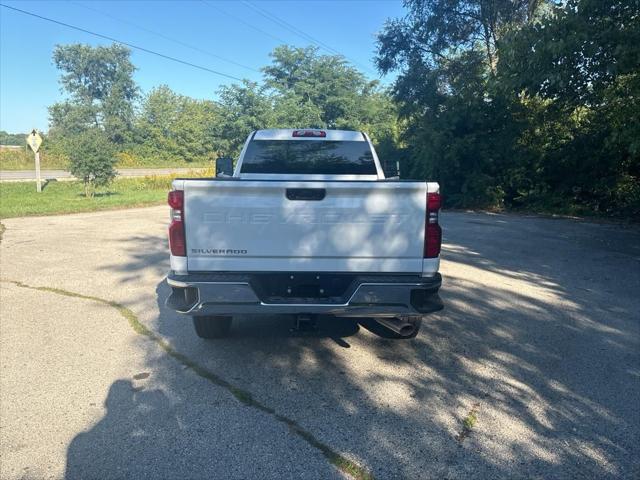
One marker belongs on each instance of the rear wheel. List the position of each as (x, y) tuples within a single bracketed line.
[(212, 326)]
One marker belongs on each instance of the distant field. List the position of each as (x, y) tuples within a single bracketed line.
[(21, 160), (20, 199)]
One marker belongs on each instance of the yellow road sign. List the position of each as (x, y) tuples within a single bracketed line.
[(34, 140)]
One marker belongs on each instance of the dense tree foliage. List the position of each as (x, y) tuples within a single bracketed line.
[(301, 88), (578, 70), (323, 91), (100, 88), (523, 103), (519, 103), (170, 125), (12, 138)]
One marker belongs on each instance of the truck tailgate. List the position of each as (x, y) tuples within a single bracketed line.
[(330, 226)]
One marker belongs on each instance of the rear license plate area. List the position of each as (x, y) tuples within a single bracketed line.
[(301, 287)]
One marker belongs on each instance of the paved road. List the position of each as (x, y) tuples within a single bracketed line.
[(21, 175), (540, 338)]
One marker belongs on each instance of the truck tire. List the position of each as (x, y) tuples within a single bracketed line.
[(212, 326)]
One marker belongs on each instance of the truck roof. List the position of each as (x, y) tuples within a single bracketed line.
[(288, 134)]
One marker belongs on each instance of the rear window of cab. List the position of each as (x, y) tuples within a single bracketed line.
[(321, 157)]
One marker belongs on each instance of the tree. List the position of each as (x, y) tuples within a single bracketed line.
[(291, 110), (434, 31), (525, 103), (587, 87), (575, 51), (322, 90), (244, 108), (100, 88), (91, 159), (461, 129), (173, 126)]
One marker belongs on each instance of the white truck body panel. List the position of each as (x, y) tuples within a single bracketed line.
[(357, 227), (330, 135)]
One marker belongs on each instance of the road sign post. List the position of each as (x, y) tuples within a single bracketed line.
[(34, 140), (38, 179)]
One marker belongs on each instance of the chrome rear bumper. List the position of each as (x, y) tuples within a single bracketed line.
[(367, 296)]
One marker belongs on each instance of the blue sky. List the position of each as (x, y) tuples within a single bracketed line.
[(29, 81)]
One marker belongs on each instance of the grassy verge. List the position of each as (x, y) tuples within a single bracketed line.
[(20, 199), (23, 160), (127, 160)]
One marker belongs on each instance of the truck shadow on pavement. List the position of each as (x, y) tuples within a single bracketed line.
[(532, 370)]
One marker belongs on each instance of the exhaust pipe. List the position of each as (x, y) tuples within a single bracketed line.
[(397, 325)]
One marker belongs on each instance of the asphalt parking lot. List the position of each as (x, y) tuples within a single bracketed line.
[(531, 371)]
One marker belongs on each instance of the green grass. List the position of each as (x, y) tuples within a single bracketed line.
[(20, 199), (470, 420), (468, 423)]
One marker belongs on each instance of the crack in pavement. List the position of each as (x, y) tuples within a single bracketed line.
[(243, 396)]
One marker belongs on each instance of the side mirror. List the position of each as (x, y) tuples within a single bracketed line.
[(224, 167)]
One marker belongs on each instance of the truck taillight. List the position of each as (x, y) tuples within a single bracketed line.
[(432, 230), (177, 241)]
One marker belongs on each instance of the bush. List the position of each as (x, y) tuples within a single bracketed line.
[(91, 159), (627, 197)]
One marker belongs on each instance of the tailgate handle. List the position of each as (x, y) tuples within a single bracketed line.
[(306, 193)]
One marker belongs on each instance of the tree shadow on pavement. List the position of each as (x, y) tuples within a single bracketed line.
[(539, 337)]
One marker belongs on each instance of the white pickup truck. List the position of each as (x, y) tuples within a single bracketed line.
[(306, 224)]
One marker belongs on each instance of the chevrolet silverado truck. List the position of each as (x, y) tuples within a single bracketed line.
[(306, 224)]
